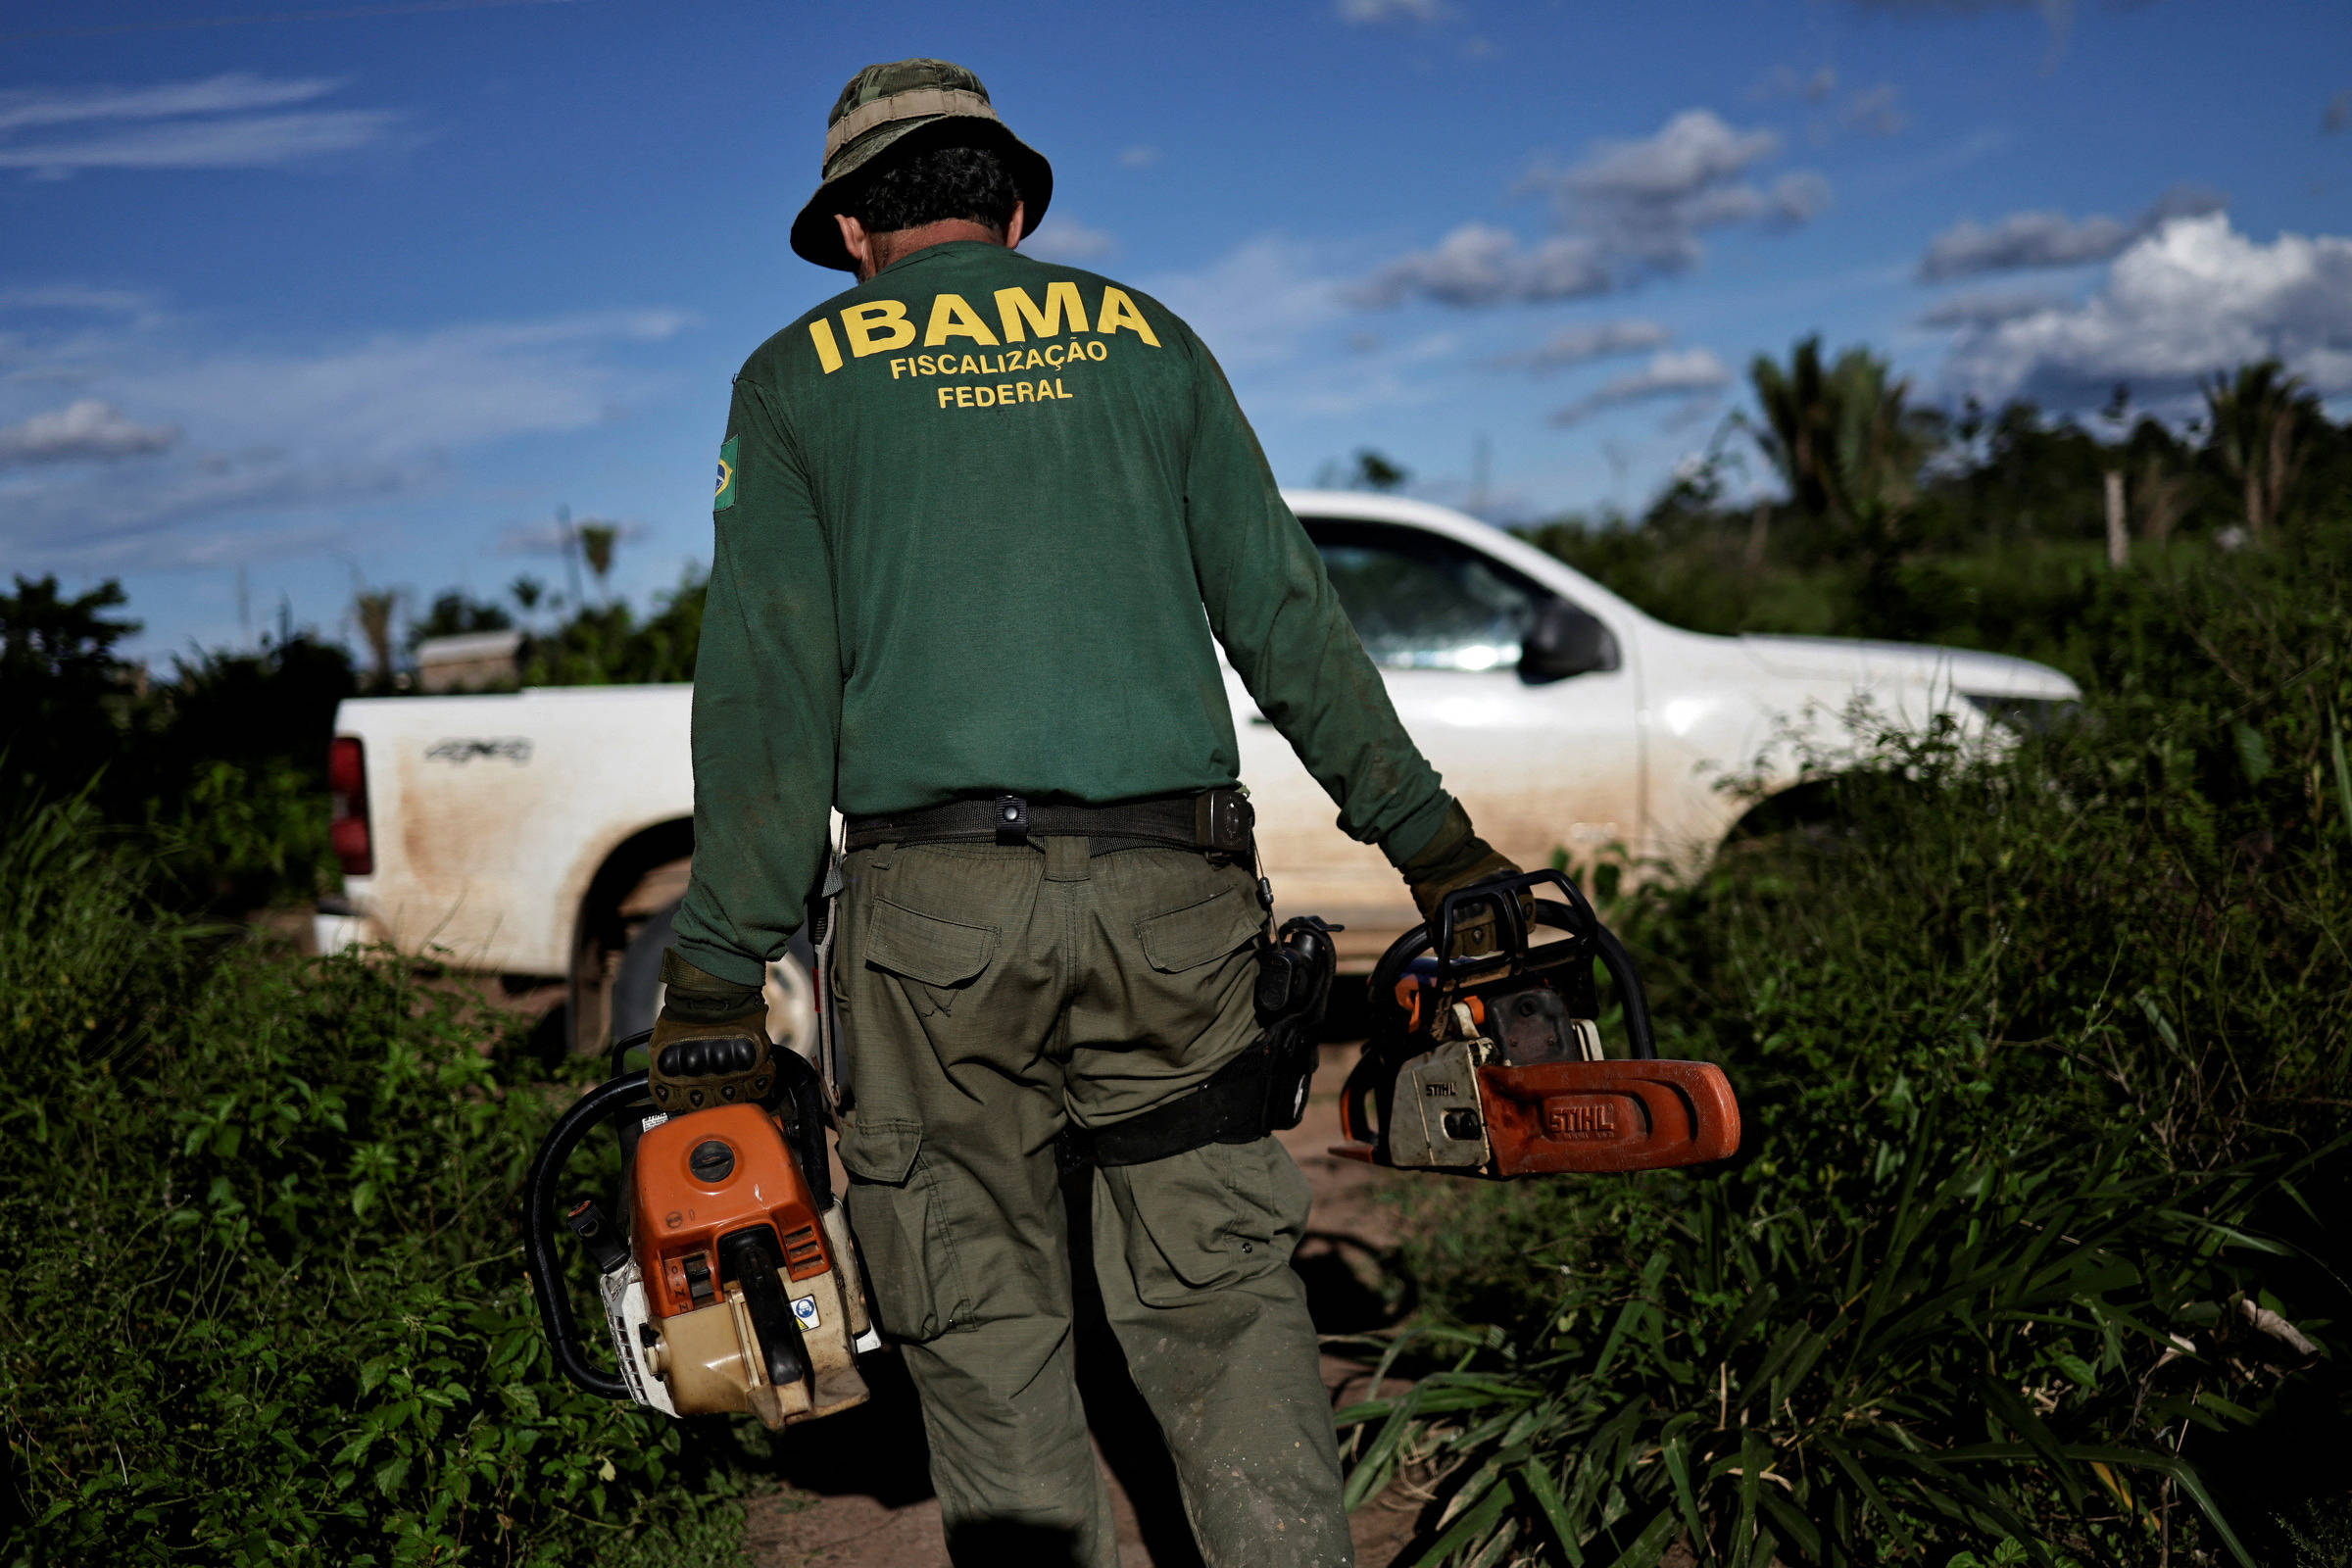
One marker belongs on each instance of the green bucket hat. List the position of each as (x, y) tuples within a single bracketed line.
[(909, 106)]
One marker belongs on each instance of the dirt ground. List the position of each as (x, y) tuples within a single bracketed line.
[(856, 1493)]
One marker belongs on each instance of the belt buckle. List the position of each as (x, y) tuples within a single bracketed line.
[(1012, 820)]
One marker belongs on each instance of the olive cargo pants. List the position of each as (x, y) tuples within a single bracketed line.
[(986, 992)]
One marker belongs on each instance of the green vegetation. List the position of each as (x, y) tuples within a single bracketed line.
[(2034, 1252), (223, 766), (596, 644), (265, 1284), (610, 644), (1984, 529)]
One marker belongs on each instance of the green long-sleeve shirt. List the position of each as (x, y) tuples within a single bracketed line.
[(969, 516)]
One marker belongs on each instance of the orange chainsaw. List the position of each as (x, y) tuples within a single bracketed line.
[(1489, 1063), (735, 1287)]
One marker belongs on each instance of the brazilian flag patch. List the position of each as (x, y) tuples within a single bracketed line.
[(725, 496)]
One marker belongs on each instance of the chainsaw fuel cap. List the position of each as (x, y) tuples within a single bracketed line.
[(713, 1162)]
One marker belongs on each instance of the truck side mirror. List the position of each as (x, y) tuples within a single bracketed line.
[(1565, 641)]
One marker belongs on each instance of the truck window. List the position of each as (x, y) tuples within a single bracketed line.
[(1420, 601)]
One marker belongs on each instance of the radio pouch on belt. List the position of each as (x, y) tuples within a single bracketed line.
[(1262, 1090)]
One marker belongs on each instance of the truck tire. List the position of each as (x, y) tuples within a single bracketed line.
[(637, 987)]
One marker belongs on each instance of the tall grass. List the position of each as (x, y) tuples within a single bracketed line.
[(265, 1295), (2034, 1249)]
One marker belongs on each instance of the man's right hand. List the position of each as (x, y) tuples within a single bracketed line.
[(710, 1044), (1456, 858)]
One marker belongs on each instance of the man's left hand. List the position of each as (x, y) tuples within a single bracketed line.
[(710, 1044), (1454, 860)]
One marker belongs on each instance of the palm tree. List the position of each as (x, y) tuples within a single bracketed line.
[(1798, 422), (597, 540), (2257, 418), (528, 591), (375, 610), (1845, 438), (1376, 470)]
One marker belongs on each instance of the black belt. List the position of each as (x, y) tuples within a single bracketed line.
[(1217, 821)]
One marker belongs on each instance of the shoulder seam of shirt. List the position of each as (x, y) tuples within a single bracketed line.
[(776, 406)]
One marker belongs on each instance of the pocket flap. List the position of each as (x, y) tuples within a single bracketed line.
[(879, 1150), (923, 947), (1184, 937)]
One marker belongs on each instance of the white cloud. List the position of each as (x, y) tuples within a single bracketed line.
[(1141, 156), (1990, 308), (84, 430), (1687, 416), (1479, 264), (397, 395), (2035, 239), (234, 93), (1877, 112), (215, 123), (1370, 12), (1253, 305), (338, 426), (1796, 198), (2190, 299), (1065, 240), (1692, 153), (1579, 345), (1671, 373), (1784, 81), (102, 524), (2022, 240), (1625, 209)]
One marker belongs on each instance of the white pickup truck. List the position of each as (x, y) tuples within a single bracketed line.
[(547, 833)]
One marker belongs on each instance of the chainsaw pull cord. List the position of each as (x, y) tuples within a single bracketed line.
[(538, 1237)]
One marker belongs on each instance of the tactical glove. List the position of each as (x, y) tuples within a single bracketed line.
[(1456, 858), (710, 1044)]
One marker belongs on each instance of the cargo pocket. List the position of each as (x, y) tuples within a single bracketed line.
[(1209, 1219), (910, 1261), (934, 960), (1187, 937)]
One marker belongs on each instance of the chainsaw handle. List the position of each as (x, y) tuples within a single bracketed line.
[(1512, 927), (538, 1231), (1510, 917)]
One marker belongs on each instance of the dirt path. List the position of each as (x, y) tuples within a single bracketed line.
[(856, 1495)]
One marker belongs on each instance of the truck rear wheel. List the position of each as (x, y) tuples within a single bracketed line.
[(637, 987), (791, 991)]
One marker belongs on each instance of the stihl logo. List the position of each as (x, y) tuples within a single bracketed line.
[(1567, 1119), (1441, 1091)]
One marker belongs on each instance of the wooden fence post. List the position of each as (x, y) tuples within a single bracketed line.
[(2118, 541)]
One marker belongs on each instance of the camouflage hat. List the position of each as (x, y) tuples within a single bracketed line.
[(909, 106)]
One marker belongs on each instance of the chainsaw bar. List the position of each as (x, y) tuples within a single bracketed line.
[(1557, 1117)]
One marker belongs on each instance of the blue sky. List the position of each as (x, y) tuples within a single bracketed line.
[(362, 297)]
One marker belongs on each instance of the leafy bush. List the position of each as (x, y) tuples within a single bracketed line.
[(610, 644), (265, 1291), (2045, 1064), (224, 763)]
